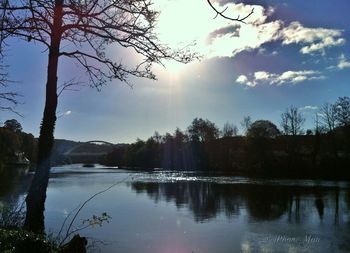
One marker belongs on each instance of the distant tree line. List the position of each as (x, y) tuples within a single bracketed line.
[(13, 142), (265, 150)]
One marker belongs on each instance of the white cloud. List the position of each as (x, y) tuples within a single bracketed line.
[(262, 50), (343, 63), (261, 75), (215, 37), (251, 36), (313, 39), (223, 38), (295, 77), (67, 113), (292, 77), (270, 10), (242, 79), (60, 115), (308, 108)]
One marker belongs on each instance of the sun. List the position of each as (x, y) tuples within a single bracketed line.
[(190, 22), (182, 23)]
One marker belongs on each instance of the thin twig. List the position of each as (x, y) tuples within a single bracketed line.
[(68, 233)]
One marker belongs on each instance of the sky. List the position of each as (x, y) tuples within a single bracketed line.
[(288, 53)]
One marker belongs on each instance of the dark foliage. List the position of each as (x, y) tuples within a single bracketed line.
[(13, 125), (263, 153), (14, 142), (24, 241)]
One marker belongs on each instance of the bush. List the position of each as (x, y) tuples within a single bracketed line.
[(17, 240)]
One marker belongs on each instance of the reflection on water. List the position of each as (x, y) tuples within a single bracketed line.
[(264, 199), (299, 204), (162, 212), (13, 186), (285, 218)]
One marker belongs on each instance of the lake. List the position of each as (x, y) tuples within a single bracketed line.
[(185, 212)]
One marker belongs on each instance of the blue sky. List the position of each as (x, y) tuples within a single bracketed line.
[(289, 53)]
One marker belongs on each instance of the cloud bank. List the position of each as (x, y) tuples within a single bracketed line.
[(223, 38), (313, 39), (292, 77)]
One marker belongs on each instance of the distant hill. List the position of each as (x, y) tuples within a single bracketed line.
[(61, 146)]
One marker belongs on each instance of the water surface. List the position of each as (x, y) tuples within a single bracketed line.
[(185, 212)]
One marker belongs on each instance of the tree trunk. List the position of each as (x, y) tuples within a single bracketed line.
[(35, 201)]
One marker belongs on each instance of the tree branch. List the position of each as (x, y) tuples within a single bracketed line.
[(221, 13)]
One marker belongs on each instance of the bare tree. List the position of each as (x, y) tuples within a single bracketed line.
[(81, 31), (292, 121), (328, 114), (229, 130), (246, 123), (8, 98), (319, 128)]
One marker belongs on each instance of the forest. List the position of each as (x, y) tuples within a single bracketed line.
[(263, 151)]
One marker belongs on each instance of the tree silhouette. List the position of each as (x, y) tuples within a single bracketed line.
[(229, 130), (263, 129), (8, 99), (203, 130), (342, 111), (328, 116), (13, 125), (292, 121), (81, 31), (246, 123)]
